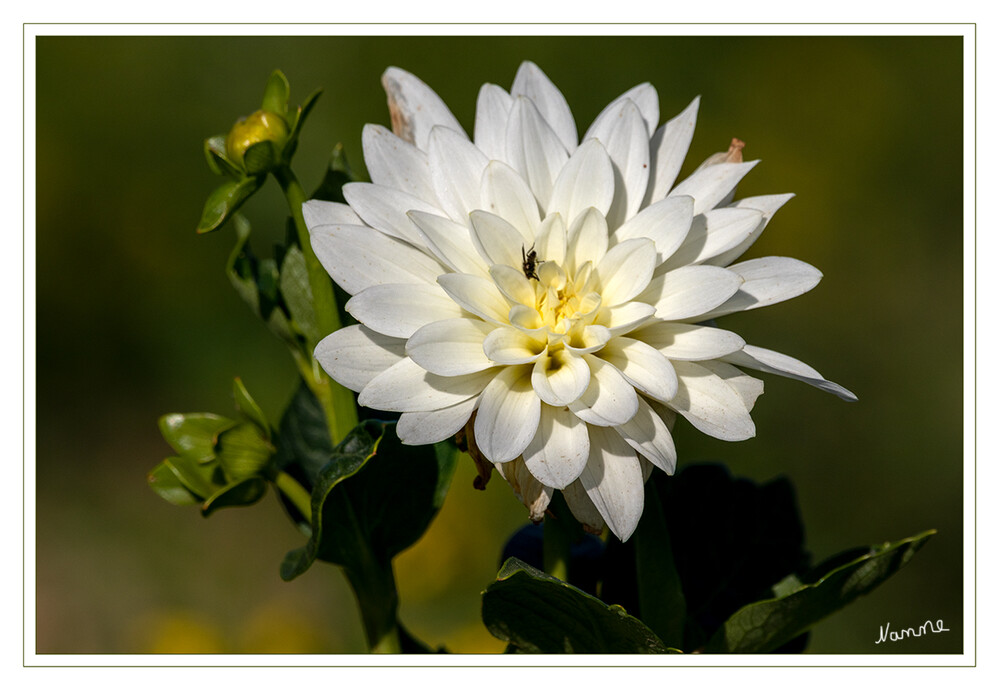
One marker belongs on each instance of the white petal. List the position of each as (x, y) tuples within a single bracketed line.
[(646, 99), (318, 212), (508, 415), (421, 428), (478, 295), (583, 341), (511, 346), (415, 108), (690, 291), (354, 355), (449, 242), (625, 317), (681, 341), (748, 387), (768, 280), (560, 377), (586, 240), (712, 233), (514, 284), (492, 110), (609, 400), (408, 387), (451, 347), (586, 180), (535, 85), (625, 271), (398, 309), (770, 362), (665, 222), (582, 507), (643, 366), (712, 184), (497, 241), (505, 193), (395, 163), (768, 206), (710, 404), (533, 494), (552, 239), (456, 168), (559, 450), (667, 150), (625, 137), (613, 481), (358, 257), (533, 149), (647, 433), (385, 208)]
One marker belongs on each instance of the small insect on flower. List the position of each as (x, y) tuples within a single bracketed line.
[(531, 262)]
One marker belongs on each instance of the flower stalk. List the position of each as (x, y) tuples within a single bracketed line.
[(337, 402)]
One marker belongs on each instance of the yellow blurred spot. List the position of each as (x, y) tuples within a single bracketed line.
[(181, 633), (274, 628)]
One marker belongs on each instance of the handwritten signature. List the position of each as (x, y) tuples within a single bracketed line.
[(888, 635)]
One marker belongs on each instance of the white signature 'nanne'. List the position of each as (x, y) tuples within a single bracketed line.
[(928, 627), (549, 292)]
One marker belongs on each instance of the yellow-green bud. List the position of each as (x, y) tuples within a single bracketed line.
[(261, 126)]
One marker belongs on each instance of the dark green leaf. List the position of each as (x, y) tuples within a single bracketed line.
[(538, 613), (373, 499), (242, 452), (766, 625), (241, 266), (261, 157), (276, 93), (240, 493), (296, 120), (731, 539), (338, 173), (660, 591), (224, 202), (164, 480), (297, 294), (249, 408), (303, 440), (194, 435)]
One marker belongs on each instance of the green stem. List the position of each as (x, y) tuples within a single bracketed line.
[(338, 402), (295, 493), (557, 545)]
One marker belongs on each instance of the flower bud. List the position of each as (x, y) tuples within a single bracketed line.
[(261, 126)]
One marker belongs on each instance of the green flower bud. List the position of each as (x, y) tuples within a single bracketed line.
[(261, 126)]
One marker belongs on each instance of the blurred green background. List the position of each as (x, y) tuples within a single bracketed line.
[(135, 318)]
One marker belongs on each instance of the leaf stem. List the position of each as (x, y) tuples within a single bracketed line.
[(295, 493), (338, 402)]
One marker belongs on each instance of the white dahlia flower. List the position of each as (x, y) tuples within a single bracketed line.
[(550, 291)]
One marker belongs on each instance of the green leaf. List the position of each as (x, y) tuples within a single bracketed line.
[(249, 408), (766, 625), (194, 435), (296, 120), (224, 201), (202, 480), (297, 294), (276, 93), (241, 266), (218, 158), (242, 452), (660, 590), (338, 173), (239, 493), (540, 614), (261, 157), (374, 498), (164, 480), (303, 440)]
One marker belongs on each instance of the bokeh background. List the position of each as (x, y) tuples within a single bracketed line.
[(135, 318)]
